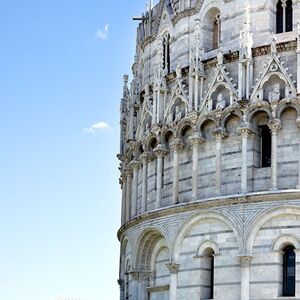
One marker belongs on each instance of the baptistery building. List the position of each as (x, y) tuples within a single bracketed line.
[(210, 153)]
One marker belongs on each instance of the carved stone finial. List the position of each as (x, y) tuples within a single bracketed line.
[(220, 56), (274, 44)]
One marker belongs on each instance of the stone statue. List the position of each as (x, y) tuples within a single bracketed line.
[(178, 70), (220, 57), (221, 102), (178, 114), (274, 95), (273, 44)]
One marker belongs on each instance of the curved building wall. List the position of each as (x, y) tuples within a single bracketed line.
[(210, 151)]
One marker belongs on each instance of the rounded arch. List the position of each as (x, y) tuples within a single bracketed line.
[(150, 140), (203, 119), (208, 245), (145, 245), (195, 218), (210, 15), (264, 217), (182, 125), (283, 105), (263, 107), (166, 134), (285, 240), (238, 113)]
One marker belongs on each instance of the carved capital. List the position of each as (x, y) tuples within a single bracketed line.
[(245, 260), (177, 145), (275, 126), (173, 267), (245, 130), (195, 140), (160, 150), (135, 164), (219, 133), (146, 157)]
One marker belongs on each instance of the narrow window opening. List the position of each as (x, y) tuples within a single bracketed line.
[(289, 16), (166, 54), (266, 143), (209, 265), (216, 32), (279, 17), (212, 275), (289, 271)]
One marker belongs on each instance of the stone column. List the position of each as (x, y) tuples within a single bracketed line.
[(191, 92), (195, 140), (176, 147), (298, 56), (173, 268), (128, 193), (145, 159), (240, 79), (274, 126), (124, 198), (159, 151), (219, 135), (245, 261), (245, 131), (135, 166), (196, 91)]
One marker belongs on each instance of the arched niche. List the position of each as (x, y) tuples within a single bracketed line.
[(177, 110), (211, 29)]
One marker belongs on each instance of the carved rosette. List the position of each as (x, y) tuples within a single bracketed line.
[(173, 267)]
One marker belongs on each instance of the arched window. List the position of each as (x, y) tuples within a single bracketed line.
[(284, 16), (166, 54), (289, 271), (216, 32), (209, 268)]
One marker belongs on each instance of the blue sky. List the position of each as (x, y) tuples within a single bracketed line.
[(60, 73)]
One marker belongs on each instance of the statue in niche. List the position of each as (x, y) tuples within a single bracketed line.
[(148, 127), (170, 117), (178, 114), (220, 102), (274, 95)]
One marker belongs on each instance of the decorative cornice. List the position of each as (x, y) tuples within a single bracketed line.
[(209, 203)]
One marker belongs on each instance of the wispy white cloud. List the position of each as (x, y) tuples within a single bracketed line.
[(102, 34), (97, 127)]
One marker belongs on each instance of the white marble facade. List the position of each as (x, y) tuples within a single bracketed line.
[(210, 153)]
